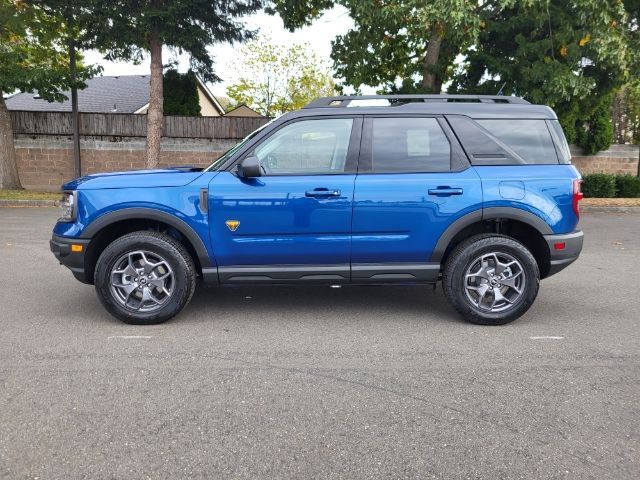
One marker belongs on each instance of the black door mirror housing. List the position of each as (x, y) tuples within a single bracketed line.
[(250, 168)]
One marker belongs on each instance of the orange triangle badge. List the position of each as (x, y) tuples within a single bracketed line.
[(232, 224)]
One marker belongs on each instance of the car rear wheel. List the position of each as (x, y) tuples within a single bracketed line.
[(491, 279), (144, 278)]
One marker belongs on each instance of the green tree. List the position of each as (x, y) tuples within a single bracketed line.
[(275, 79), (33, 57), (130, 29), (570, 55), (181, 94), (405, 45)]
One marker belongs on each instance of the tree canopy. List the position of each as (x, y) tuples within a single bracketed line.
[(275, 79), (129, 29), (33, 57), (570, 55), (124, 29), (33, 51)]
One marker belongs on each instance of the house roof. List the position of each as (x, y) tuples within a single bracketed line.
[(121, 94), (243, 110)]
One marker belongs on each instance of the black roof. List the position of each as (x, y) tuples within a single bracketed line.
[(121, 94), (474, 106)]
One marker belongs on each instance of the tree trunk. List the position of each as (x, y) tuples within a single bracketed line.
[(156, 99), (430, 81), (75, 116), (8, 167)]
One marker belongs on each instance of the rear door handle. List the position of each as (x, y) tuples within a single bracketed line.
[(322, 192), (445, 191)]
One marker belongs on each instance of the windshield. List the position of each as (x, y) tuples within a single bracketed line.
[(229, 153)]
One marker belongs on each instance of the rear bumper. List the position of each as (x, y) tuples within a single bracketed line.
[(74, 261), (561, 257)]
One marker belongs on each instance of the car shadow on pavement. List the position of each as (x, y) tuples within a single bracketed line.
[(390, 303)]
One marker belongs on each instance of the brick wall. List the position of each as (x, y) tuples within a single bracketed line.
[(46, 161), (618, 159)]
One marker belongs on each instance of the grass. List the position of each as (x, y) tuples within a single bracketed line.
[(27, 195)]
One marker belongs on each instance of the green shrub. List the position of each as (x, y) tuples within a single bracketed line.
[(181, 94), (599, 185), (628, 186), (598, 134)]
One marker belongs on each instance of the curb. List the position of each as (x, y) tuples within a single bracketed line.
[(605, 209), (28, 203)]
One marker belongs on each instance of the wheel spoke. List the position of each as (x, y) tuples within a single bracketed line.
[(498, 267), (128, 270), (127, 288), (482, 273), (511, 282), (159, 281), (146, 264), (148, 296), (482, 292), (498, 297)]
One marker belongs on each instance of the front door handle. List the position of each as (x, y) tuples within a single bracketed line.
[(445, 191), (322, 192)]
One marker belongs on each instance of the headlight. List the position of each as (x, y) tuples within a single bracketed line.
[(69, 206)]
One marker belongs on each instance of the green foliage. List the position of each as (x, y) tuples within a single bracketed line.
[(275, 79), (626, 113), (388, 45), (628, 186), (599, 185), (33, 51), (605, 185), (122, 28), (597, 133), (570, 55), (181, 94)]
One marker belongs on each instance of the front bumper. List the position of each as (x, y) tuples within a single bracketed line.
[(563, 250), (74, 261)]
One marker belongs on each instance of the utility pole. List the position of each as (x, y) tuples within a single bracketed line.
[(75, 123)]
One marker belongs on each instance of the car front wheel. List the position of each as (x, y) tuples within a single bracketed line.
[(144, 278), (491, 279)]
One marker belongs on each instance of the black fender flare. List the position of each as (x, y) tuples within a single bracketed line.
[(150, 214), (510, 213)]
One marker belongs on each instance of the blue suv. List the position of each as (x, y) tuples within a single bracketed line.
[(475, 191)]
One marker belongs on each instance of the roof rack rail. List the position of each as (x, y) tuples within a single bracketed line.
[(345, 100)]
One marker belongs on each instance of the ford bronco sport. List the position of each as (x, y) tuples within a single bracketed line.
[(475, 191)]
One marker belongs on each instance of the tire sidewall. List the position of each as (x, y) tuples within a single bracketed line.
[(183, 288)]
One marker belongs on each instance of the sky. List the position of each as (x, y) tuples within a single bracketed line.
[(319, 35)]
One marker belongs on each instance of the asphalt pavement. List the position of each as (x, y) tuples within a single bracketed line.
[(314, 382)]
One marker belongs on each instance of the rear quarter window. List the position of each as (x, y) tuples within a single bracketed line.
[(530, 139)]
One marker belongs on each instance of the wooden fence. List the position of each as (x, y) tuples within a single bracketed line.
[(132, 125)]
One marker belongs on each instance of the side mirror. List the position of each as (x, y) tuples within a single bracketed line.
[(250, 168)]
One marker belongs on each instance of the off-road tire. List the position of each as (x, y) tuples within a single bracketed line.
[(460, 259), (176, 256)]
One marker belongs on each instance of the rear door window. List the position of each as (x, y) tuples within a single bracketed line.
[(530, 139), (409, 145)]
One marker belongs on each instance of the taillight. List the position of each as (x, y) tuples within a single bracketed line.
[(577, 196)]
